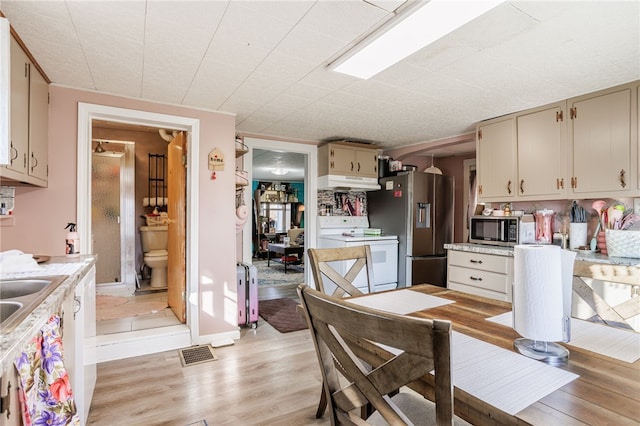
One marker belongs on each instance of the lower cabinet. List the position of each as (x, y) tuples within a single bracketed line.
[(485, 275), (78, 339), (9, 405)]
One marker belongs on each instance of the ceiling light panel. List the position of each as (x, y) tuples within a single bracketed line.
[(422, 27)]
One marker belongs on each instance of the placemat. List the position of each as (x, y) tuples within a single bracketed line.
[(601, 339), (400, 302), (502, 378)]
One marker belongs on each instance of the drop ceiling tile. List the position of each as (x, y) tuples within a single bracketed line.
[(247, 26), (309, 92), (342, 20), (100, 23), (287, 11), (287, 70), (309, 46), (388, 5)]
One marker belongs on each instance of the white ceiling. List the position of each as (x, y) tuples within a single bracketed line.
[(266, 61)]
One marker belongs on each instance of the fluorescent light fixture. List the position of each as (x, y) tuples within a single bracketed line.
[(279, 171), (427, 24)]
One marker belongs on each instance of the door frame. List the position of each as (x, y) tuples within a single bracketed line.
[(310, 192), (468, 165), (89, 112)]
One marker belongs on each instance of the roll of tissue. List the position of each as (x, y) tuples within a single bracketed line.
[(543, 276)]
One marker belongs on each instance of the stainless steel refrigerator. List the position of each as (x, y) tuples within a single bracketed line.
[(418, 207)]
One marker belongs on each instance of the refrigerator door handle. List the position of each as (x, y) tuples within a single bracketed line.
[(423, 215)]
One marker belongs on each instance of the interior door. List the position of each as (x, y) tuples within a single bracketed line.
[(176, 193)]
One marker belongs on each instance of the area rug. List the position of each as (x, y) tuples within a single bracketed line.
[(274, 274), (112, 307), (282, 315)]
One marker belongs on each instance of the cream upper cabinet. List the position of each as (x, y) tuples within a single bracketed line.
[(602, 147), (19, 143), (28, 151), (585, 147), (347, 159), (38, 126), (367, 162), (496, 159), (542, 153)]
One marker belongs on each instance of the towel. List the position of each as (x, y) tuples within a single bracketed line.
[(44, 391), (155, 201), (12, 261)]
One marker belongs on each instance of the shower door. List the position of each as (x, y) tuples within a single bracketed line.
[(112, 214)]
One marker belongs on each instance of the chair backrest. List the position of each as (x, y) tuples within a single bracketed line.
[(320, 260), (343, 332)]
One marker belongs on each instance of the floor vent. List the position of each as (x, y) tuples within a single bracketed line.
[(197, 355)]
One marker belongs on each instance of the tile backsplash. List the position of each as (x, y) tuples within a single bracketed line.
[(347, 203)]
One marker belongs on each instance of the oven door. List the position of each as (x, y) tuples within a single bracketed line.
[(384, 254)]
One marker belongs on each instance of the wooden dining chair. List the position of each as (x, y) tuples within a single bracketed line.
[(321, 259), (341, 331)]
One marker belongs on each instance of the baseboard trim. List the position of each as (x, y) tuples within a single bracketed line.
[(116, 346)]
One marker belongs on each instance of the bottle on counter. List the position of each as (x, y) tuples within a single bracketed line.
[(72, 241)]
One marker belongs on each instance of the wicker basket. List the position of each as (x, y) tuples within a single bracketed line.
[(623, 243), (157, 219)]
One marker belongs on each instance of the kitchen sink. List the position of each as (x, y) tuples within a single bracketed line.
[(19, 297), (17, 288), (7, 309)]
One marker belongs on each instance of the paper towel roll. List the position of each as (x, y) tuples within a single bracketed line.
[(542, 285)]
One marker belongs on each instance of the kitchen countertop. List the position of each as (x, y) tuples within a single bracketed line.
[(508, 251), (75, 269)]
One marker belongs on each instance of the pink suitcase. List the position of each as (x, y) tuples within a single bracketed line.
[(247, 295)]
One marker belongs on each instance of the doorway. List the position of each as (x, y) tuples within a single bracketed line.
[(310, 196), (140, 342)]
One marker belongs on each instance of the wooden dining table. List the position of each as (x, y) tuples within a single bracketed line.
[(607, 390)]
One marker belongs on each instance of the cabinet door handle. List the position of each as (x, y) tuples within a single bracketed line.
[(475, 278), (479, 262), (522, 186), (13, 150), (509, 187), (77, 307), (352, 166), (358, 166), (34, 162), (5, 401), (623, 183)]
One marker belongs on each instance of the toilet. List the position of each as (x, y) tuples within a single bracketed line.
[(154, 245)]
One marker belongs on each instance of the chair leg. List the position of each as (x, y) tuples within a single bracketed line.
[(322, 405)]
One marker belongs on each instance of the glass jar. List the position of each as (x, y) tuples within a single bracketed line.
[(544, 226)]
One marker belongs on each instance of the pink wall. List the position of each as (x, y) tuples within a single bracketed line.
[(42, 213)]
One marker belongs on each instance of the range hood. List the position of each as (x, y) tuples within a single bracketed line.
[(348, 183)]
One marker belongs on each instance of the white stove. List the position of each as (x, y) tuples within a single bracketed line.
[(350, 231), (349, 228)]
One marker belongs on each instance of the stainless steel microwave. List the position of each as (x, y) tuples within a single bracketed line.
[(495, 230)]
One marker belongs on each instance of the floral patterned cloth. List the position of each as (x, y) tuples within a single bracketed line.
[(45, 394)]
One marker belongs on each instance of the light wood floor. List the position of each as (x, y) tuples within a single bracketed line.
[(265, 378)]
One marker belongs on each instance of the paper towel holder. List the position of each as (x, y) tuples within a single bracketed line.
[(541, 306), (549, 352)]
